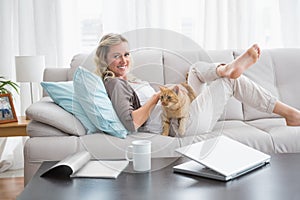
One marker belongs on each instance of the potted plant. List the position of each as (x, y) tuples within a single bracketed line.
[(5, 83), (7, 110)]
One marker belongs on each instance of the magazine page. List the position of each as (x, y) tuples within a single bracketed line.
[(102, 169), (69, 165), (80, 165)]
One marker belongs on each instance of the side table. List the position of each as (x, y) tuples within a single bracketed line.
[(14, 128)]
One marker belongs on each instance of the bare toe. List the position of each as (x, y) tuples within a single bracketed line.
[(240, 64)]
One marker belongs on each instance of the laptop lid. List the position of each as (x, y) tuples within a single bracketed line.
[(225, 156)]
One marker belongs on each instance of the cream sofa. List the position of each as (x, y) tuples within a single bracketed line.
[(55, 133)]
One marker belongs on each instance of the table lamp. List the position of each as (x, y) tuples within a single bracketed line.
[(29, 69)]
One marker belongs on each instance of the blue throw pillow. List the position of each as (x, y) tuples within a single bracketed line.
[(62, 94), (91, 94)]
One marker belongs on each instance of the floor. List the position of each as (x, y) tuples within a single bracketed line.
[(12, 181), (11, 184), (12, 173)]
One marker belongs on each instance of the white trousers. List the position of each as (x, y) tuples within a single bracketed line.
[(214, 92)]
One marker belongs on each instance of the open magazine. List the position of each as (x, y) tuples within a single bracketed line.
[(81, 165)]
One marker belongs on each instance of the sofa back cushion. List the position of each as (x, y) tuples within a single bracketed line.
[(177, 64), (147, 65), (286, 64), (84, 60)]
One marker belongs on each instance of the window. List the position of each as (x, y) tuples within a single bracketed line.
[(91, 29)]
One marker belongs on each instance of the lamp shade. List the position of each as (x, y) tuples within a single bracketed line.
[(29, 68)]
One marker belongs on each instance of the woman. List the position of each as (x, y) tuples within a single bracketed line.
[(113, 64)]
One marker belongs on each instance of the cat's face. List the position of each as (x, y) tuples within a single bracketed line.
[(168, 97)]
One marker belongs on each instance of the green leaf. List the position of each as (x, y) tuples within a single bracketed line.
[(5, 83)]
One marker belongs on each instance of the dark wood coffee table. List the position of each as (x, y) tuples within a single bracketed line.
[(278, 180)]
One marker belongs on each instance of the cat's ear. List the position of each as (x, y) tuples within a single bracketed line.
[(162, 88), (176, 89)]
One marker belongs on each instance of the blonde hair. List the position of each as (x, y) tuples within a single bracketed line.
[(105, 43)]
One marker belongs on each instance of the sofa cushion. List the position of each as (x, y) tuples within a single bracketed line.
[(221, 56), (89, 62), (287, 70), (267, 124), (62, 94), (285, 138), (146, 62), (175, 67), (83, 60), (55, 74), (245, 134), (89, 90), (48, 112), (38, 129), (39, 149)]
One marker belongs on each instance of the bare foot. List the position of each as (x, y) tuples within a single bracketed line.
[(240, 64), (291, 115), (293, 119)]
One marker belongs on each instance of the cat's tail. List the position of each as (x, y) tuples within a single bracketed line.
[(191, 92)]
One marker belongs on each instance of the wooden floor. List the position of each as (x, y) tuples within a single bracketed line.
[(10, 188)]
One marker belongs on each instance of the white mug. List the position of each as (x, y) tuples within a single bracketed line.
[(141, 155)]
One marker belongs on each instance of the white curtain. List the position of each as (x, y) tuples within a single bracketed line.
[(33, 27), (290, 26), (37, 27), (214, 24)]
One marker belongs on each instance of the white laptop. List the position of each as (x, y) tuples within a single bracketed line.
[(220, 158)]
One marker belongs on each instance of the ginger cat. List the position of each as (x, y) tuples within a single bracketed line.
[(175, 102)]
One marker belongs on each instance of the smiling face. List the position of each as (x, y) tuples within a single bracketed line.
[(118, 59)]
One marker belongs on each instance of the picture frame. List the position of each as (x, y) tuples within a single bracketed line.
[(7, 110)]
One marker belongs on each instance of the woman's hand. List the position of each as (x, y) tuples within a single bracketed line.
[(141, 115), (156, 97)]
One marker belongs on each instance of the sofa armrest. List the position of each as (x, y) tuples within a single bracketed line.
[(56, 74), (39, 129), (47, 112)]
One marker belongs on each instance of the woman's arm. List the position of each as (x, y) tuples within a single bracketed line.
[(121, 95), (141, 115)]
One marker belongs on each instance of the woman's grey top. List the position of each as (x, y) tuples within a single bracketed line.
[(124, 100)]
